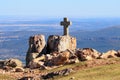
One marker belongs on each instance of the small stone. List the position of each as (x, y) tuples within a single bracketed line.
[(19, 69), (72, 61), (35, 64), (7, 68), (72, 78), (63, 72), (13, 63)]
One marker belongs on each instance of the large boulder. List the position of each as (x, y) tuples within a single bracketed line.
[(13, 63), (37, 47), (30, 57), (37, 44), (87, 54), (36, 63), (60, 43), (61, 58), (109, 54)]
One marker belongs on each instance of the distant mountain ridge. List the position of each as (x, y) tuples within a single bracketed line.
[(37, 24)]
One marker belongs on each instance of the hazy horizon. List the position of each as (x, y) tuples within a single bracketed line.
[(62, 8)]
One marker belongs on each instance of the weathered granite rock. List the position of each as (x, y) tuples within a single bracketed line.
[(61, 43), (37, 44), (57, 58), (30, 57), (8, 68), (109, 54), (19, 69), (13, 63), (33, 64), (87, 54), (61, 58), (37, 47), (36, 63), (118, 53)]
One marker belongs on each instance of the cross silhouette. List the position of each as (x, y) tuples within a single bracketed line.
[(65, 23)]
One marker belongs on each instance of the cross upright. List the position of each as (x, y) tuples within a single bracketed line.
[(65, 23)]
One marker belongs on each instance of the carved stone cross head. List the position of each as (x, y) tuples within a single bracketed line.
[(66, 23)]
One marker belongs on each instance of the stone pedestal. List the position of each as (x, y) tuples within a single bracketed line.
[(61, 43)]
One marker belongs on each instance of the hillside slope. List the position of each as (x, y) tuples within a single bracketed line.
[(99, 69)]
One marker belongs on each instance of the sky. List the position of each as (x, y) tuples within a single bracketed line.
[(60, 8)]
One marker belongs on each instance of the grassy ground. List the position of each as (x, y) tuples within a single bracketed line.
[(106, 72), (101, 72), (90, 70)]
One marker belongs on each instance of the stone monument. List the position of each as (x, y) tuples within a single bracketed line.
[(62, 43), (55, 43), (65, 23)]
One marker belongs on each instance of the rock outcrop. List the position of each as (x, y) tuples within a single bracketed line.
[(87, 54), (36, 63), (53, 59), (13, 63), (109, 54), (61, 58), (37, 47), (61, 43)]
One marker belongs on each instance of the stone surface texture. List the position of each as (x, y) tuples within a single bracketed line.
[(109, 54), (37, 44), (61, 43), (13, 63), (37, 47), (87, 54)]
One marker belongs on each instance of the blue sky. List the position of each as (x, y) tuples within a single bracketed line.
[(60, 8)]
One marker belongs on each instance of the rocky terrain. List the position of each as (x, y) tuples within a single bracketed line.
[(55, 57), (43, 58), (100, 34)]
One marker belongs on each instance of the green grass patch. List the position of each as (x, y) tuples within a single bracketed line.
[(105, 72)]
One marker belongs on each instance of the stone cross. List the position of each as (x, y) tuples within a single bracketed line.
[(65, 23)]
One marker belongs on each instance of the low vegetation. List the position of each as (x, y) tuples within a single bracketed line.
[(105, 72), (101, 69)]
